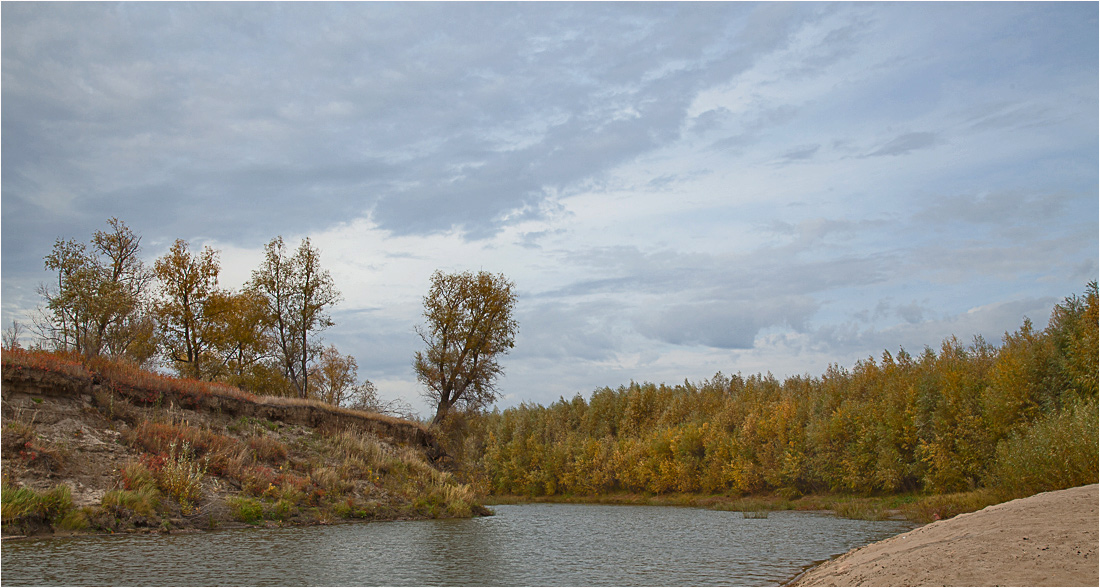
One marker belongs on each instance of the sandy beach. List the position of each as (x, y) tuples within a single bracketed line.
[(1049, 539)]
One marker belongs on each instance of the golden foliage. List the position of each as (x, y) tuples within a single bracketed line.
[(962, 418)]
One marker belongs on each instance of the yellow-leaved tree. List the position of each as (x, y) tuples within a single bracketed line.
[(469, 326)]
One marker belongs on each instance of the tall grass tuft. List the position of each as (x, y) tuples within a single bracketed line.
[(22, 506), (360, 452), (143, 501), (246, 510), (180, 477)]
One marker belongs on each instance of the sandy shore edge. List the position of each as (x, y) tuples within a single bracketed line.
[(1050, 539)]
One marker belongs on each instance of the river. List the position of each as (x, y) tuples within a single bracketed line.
[(522, 545)]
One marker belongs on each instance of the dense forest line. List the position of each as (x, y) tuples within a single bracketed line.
[(1020, 418)]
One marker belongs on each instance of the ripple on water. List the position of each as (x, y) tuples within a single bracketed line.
[(523, 545)]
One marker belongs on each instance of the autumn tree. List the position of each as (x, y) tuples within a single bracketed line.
[(189, 308), (247, 346), (334, 376), (297, 292), (98, 303), (11, 336), (469, 326)]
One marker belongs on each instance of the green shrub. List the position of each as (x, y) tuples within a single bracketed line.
[(1058, 451), (18, 503), (74, 520), (282, 510), (246, 510), (180, 477)]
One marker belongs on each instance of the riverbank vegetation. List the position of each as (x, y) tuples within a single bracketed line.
[(948, 430), (96, 445)]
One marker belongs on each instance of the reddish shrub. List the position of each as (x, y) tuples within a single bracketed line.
[(216, 449), (267, 449)]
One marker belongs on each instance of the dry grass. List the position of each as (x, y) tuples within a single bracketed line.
[(359, 451), (945, 506), (149, 387), (68, 364), (267, 448)]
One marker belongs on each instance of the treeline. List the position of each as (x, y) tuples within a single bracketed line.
[(1021, 418), (263, 337)]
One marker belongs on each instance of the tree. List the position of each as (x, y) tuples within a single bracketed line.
[(11, 336), (99, 302), (364, 396), (469, 326), (189, 308), (297, 293), (334, 376), (247, 345)]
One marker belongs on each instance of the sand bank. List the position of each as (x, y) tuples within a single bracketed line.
[(1049, 539)]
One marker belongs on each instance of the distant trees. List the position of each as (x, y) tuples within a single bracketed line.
[(1018, 419), (263, 338), (335, 376), (469, 326)]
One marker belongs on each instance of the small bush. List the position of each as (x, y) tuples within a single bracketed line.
[(257, 480), (215, 449), (16, 436), (246, 510), (267, 448), (180, 477), (135, 476), (21, 439), (282, 510), (330, 480)]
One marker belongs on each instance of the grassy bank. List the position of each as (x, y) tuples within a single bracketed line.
[(85, 453)]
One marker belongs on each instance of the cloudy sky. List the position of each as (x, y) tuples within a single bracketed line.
[(676, 189)]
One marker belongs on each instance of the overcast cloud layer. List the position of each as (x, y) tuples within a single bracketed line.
[(676, 189)]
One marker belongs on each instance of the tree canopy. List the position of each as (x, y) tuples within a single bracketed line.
[(469, 326), (97, 306), (297, 293)]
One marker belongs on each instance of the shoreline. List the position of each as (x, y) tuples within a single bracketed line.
[(1049, 539)]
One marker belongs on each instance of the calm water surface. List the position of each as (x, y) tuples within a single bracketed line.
[(523, 545)]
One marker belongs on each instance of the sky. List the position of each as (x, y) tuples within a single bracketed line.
[(676, 189)]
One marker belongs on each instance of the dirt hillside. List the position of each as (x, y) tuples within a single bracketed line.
[(108, 450), (1049, 539)]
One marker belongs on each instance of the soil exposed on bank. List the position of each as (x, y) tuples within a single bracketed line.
[(1050, 539), (257, 460)]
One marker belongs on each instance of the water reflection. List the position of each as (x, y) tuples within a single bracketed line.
[(529, 545)]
